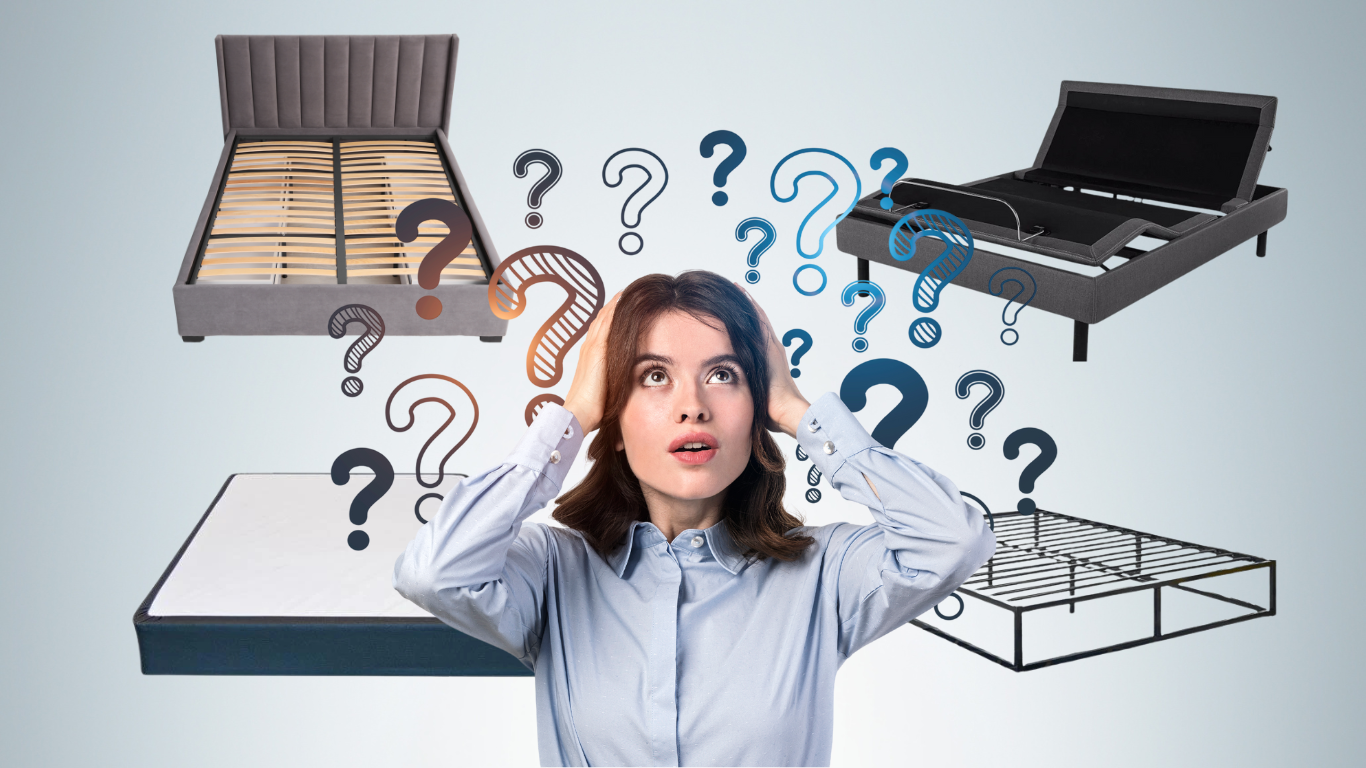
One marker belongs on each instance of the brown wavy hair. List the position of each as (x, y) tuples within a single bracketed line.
[(609, 499)]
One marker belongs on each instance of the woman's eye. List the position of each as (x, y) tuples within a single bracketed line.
[(656, 378), (723, 376)]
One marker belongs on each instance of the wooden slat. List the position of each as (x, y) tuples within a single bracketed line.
[(292, 206), (286, 143), (276, 215), (470, 258), (469, 262), (376, 197), (270, 249), (263, 174), (360, 165), (266, 271), (291, 197), (381, 175), (258, 260), (413, 271), (269, 230)]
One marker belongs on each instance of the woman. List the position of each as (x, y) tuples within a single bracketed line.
[(682, 616)]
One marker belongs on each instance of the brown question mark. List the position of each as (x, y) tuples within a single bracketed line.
[(566, 325), (450, 417), (441, 254)]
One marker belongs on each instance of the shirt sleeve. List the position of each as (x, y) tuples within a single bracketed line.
[(924, 544), (474, 566)]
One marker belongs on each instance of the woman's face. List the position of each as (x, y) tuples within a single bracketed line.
[(686, 424)]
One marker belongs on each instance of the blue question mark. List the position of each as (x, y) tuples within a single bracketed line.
[(803, 348), (732, 161), (863, 287), (958, 247), (801, 229), (893, 176), (915, 396), (752, 224), (1008, 275)]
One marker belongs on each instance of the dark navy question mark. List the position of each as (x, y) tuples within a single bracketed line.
[(803, 348), (553, 171), (893, 176), (915, 396), (998, 282), (374, 332), (371, 493), (1048, 452), (996, 390), (866, 315), (754, 223), (656, 180), (732, 161), (441, 254)]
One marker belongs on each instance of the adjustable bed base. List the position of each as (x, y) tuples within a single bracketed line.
[(1186, 161)]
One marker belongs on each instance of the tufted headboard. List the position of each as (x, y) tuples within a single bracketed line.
[(336, 81)]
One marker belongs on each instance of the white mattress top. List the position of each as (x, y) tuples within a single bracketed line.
[(275, 545)]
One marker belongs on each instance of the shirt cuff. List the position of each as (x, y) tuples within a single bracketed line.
[(550, 444), (830, 434)]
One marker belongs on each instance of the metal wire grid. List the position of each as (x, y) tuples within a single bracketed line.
[(1049, 559)]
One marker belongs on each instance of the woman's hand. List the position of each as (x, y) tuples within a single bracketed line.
[(786, 406), (588, 393)]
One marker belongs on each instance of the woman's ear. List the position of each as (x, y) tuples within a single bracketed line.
[(621, 445)]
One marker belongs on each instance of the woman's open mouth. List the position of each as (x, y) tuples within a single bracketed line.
[(694, 448)]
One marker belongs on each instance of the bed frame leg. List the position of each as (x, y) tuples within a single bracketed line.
[(491, 339), (191, 338), (863, 273), (1079, 332), (1261, 244)]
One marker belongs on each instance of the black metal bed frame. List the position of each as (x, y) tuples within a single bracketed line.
[(1047, 554)]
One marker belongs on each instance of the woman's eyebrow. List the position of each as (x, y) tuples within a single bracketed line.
[(650, 357), (708, 362)]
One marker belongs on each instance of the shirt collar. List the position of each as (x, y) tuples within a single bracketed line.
[(719, 539)]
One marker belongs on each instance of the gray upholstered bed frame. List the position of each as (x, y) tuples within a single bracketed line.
[(1222, 205), (334, 87)]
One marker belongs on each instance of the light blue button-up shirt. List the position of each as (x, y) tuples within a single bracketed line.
[(682, 652)]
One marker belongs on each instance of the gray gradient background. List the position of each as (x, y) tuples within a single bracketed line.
[(1223, 409)]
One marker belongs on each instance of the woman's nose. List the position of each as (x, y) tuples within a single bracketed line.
[(689, 404)]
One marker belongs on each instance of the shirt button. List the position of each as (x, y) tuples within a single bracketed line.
[(555, 456), (568, 432), (813, 426), (697, 542), (829, 447)]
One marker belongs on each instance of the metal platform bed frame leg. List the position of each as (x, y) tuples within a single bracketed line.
[(1261, 244), (1079, 334)]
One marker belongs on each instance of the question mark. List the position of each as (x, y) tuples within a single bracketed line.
[(813, 495), (732, 161), (958, 247), (371, 493), (553, 171), (562, 330), (863, 288), (881, 156), (635, 161), (996, 390), (374, 332), (915, 396), (769, 235), (1048, 451), (858, 192), (802, 348), (997, 288), (412, 419), (441, 254)]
